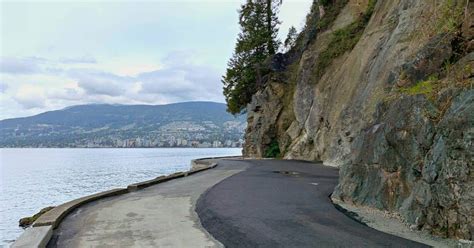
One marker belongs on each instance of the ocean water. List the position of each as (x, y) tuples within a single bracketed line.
[(31, 179)]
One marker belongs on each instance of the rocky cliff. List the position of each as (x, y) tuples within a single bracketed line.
[(384, 90)]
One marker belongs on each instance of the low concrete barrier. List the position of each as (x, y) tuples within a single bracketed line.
[(54, 216), (42, 229), (34, 237), (194, 169), (203, 162), (160, 179)]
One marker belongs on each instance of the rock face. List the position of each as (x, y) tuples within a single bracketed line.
[(406, 161), (395, 112)]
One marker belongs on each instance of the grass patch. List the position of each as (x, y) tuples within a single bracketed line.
[(445, 17), (455, 78), (344, 40), (450, 16), (425, 87), (273, 150)]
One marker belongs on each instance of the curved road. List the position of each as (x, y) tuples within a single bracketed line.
[(240, 203), (278, 203)]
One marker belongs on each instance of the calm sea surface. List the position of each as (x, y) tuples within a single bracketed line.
[(31, 179)]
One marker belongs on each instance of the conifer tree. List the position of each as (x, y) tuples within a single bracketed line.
[(271, 7), (255, 43), (290, 38)]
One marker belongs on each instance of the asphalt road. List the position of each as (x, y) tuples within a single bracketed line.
[(283, 204)]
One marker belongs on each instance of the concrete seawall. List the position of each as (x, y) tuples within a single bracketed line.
[(41, 231)]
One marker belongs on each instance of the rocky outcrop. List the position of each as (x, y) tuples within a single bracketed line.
[(395, 111), (28, 221), (407, 161)]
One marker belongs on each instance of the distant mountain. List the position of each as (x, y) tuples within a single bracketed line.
[(102, 125)]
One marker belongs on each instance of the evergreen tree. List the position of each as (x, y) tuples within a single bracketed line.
[(271, 7), (255, 43), (291, 38)]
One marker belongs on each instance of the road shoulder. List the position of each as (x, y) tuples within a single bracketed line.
[(393, 224)]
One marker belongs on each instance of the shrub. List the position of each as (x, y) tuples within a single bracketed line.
[(273, 150)]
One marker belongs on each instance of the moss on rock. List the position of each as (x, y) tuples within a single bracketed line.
[(28, 221)]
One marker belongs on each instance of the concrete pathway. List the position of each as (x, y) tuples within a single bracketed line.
[(159, 216), (241, 203)]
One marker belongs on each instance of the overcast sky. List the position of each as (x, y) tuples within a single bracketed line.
[(63, 53)]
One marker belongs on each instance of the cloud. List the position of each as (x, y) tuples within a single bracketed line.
[(136, 68), (178, 78), (68, 94), (182, 84), (95, 82), (78, 60), (36, 65), (3, 87), (100, 86), (182, 79), (30, 96), (14, 65), (166, 81), (179, 57)]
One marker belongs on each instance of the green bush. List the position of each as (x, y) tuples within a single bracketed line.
[(273, 150)]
